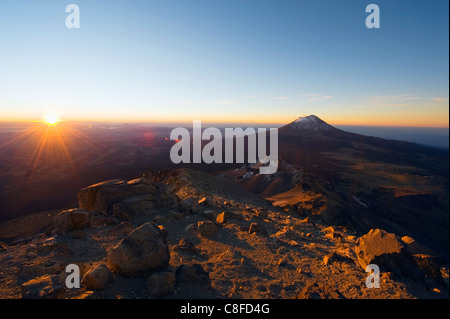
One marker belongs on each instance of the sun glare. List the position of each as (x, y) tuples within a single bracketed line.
[(51, 119)]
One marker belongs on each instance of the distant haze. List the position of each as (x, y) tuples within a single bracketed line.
[(430, 136)]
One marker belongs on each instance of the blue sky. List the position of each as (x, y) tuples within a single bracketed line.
[(228, 60)]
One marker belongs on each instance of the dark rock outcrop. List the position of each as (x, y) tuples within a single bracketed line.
[(388, 252)]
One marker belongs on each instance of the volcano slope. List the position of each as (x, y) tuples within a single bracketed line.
[(358, 181), (222, 242)]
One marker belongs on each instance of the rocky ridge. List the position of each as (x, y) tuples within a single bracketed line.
[(186, 234)]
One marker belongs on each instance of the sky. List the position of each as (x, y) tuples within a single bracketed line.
[(226, 61)]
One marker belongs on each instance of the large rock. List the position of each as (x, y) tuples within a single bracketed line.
[(97, 278), (87, 196), (68, 220), (101, 197), (388, 252), (141, 253)]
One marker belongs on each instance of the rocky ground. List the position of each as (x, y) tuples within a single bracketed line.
[(186, 234)]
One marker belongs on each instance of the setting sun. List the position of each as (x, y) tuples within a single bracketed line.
[(51, 119)]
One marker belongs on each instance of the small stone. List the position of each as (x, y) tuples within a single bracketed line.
[(222, 218), (329, 229), (333, 236), (281, 262), (98, 278), (161, 284), (257, 228), (207, 228)]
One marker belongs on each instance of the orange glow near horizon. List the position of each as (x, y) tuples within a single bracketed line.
[(380, 120)]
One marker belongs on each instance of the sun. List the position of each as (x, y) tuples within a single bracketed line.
[(51, 119)]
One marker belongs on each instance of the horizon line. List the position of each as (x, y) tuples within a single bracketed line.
[(173, 122)]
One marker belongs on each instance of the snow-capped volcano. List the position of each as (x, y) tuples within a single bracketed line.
[(310, 123)]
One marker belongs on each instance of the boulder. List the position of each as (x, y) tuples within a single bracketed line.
[(87, 196), (97, 278), (44, 287), (207, 228), (142, 252), (388, 252), (101, 197), (161, 284), (68, 220)]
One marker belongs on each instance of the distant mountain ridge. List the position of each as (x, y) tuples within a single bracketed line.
[(358, 180)]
